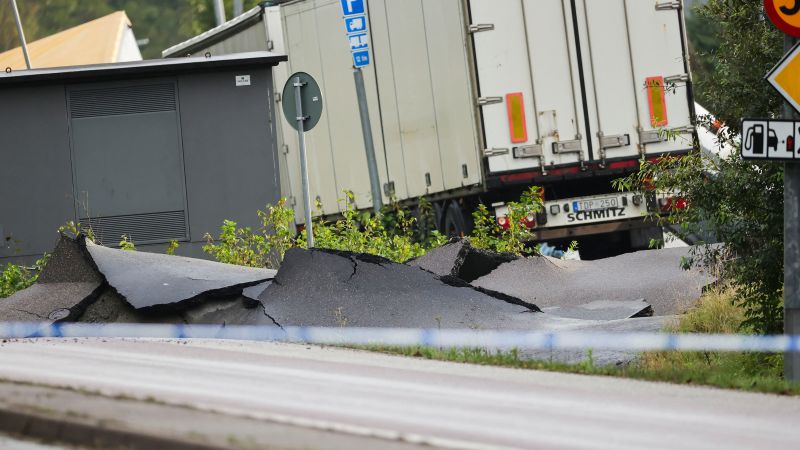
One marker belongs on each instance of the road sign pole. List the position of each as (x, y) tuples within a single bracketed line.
[(21, 32), (369, 145), (791, 247), (301, 135)]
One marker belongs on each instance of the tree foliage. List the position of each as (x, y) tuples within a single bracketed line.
[(750, 46)]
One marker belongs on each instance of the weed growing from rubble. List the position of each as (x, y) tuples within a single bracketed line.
[(390, 234), (74, 229), (264, 247), (126, 243), (15, 277), (171, 247), (488, 234)]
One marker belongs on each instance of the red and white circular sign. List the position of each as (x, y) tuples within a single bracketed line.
[(785, 14)]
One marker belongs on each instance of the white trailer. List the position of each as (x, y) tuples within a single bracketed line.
[(474, 100)]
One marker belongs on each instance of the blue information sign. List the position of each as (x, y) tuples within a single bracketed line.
[(355, 24), (361, 58), (352, 7), (358, 41)]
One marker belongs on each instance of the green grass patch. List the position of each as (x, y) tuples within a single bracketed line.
[(714, 313)]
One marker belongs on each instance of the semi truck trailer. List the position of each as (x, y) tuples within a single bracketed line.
[(473, 101)]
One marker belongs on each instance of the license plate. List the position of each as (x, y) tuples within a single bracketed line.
[(595, 204)]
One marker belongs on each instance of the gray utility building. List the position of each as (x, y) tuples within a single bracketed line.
[(157, 150)]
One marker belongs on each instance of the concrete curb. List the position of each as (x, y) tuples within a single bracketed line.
[(74, 432)]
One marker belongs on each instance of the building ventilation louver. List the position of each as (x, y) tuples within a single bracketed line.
[(140, 228), (122, 100)]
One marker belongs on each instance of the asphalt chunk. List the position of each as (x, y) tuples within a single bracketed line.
[(48, 302), (604, 310), (324, 288), (151, 280), (458, 258), (69, 263), (653, 275)]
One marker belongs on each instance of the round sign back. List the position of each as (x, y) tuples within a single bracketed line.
[(310, 100), (785, 14)]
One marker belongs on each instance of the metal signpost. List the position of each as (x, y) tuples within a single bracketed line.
[(21, 32), (306, 109), (355, 24), (766, 139)]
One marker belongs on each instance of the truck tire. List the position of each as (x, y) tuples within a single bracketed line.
[(454, 223)]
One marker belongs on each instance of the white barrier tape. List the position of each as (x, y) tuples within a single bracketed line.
[(498, 339)]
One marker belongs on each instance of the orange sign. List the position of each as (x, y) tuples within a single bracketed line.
[(785, 75), (785, 14)]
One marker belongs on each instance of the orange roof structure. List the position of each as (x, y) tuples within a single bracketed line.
[(94, 42)]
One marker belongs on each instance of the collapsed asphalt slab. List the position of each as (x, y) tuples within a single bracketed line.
[(327, 288), (148, 280), (458, 258), (653, 275), (85, 282), (66, 285)]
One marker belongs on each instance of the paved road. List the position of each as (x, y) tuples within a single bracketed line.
[(12, 443), (417, 401)]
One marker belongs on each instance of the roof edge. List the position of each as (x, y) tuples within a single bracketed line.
[(139, 68), (216, 34)]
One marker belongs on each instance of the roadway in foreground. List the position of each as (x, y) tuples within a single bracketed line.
[(394, 401)]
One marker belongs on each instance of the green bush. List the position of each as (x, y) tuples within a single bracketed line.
[(488, 234), (262, 248), (396, 233), (14, 278)]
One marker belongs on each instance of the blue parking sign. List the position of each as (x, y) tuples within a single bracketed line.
[(361, 58), (355, 24), (358, 41), (352, 7)]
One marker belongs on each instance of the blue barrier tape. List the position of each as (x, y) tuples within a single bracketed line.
[(495, 339)]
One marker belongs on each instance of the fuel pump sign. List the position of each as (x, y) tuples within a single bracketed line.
[(770, 139)]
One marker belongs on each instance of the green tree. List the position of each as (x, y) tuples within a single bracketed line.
[(8, 28)]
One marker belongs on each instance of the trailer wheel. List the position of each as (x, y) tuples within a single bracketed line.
[(454, 223)]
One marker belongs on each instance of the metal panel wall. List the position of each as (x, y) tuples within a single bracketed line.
[(390, 119), (35, 173), (314, 38), (657, 51), (253, 38), (301, 43), (338, 86), (414, 95), (127, 160), (610, 85), (231, 159), (556, 84), (452, 92), (502, 65)]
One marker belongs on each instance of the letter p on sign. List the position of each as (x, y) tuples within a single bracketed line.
[(352, 7)]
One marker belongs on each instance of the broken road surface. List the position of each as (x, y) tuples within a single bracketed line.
[(395, 398)]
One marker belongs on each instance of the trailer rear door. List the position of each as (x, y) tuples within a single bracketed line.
[(529, 86), (636, 76), (566, 82)]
